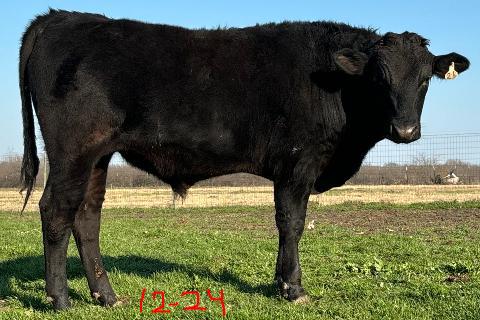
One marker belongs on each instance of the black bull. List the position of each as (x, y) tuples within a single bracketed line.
[(298, 103)]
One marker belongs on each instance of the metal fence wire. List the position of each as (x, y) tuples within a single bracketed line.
[(436, 167), (434, 159)]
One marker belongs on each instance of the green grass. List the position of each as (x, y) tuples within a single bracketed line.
[(364, 271)]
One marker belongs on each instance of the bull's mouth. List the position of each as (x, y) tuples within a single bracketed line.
[(401, 140), (403, 134)]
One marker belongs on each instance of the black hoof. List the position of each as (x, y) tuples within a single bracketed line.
[(60, 303), (105, 299), (295, 292), (291, 292)]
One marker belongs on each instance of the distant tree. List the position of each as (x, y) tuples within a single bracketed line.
[(423, 160), (456, 163)]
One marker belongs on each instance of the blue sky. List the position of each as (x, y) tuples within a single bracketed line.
[(450, 107)]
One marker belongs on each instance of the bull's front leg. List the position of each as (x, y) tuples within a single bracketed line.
[(291, 204)]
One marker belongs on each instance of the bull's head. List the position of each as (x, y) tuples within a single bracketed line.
[(399, 68)]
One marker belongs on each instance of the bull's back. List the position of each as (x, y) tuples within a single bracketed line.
[(144, 85)]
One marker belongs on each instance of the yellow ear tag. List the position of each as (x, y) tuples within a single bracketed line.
[(451, 73)]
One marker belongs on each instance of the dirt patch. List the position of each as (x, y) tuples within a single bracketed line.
[(400, 220), (360, 221), (395, 221), (457, 278)]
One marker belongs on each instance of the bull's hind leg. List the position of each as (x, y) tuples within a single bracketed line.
[(86, 232), (62, 196), (290, 205)]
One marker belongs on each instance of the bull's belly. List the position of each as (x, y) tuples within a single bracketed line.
[(182, 167)]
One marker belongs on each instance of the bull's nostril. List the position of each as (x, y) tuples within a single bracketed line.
[(411, 130)]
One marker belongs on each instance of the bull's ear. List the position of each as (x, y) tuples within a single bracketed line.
[(443, 64), (350, 61)]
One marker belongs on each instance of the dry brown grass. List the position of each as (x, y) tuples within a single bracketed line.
[(10, 199)]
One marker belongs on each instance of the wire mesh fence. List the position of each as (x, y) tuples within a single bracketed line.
[(434, 159), (435, 168)]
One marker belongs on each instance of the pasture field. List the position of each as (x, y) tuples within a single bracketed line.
[(10, 199), (360, 261)]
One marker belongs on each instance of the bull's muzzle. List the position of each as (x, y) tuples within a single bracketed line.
[(404, 134)]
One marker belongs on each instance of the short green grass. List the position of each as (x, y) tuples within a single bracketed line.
[(368, 271)]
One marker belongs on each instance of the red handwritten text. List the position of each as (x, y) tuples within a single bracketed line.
[(160, 296)]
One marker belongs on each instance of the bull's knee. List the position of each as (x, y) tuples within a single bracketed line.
[(56, 224), (57, 231)]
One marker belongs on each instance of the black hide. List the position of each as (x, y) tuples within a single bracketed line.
[(299, 103)]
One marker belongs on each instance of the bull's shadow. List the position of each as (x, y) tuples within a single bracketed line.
[(31, 268)]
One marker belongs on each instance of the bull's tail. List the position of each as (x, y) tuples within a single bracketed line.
[(30, 161)]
